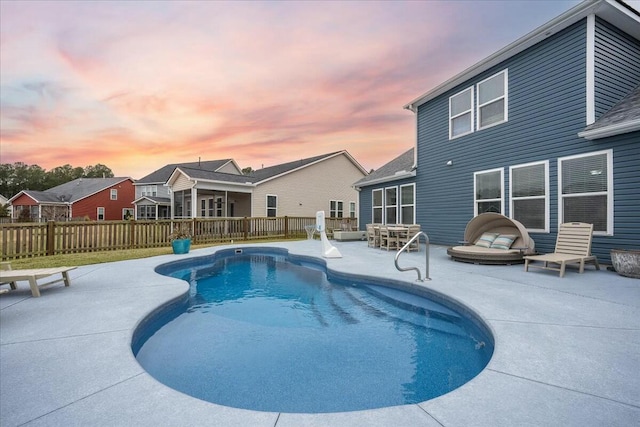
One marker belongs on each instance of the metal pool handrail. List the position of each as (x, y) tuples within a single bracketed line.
[(404, 248)]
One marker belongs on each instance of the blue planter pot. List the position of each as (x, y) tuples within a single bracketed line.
[(181, 246)]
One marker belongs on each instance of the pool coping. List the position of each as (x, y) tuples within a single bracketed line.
[(567, 351)]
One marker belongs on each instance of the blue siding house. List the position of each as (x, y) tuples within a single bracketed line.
[(546, 131)]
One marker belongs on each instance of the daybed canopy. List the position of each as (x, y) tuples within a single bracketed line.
[(493, 223)]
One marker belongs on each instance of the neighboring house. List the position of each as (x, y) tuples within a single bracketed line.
[(92, 198), (299, 188), (546, 131), (389, 193), (5, 202), (153, 201)]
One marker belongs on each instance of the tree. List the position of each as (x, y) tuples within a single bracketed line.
[(247, 170), (98, 171), (20, 176), (62, 174)]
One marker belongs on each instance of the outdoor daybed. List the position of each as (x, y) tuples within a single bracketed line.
[(506, 241)]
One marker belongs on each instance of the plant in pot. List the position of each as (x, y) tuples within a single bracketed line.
[(180, 239)]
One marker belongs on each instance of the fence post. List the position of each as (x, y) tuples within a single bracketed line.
[(193, 230), (51, 238), (132, 233), (245, 226), (286, 227)]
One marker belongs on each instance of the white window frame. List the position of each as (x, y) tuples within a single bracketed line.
[(387, 206), (504, 96), (150, 190), (336, 209), (470, 110), (475, 201), (219, 206), (608, 193), (100, 212), (113, 194), (131, 212), (381, 206), (512, 198), (352, 209), (267, 208), (402, 205)]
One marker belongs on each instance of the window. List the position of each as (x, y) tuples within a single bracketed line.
[(272, 205), (407, 204), (219, 206), (585, 186), (114, 194), (377, 206), (127, 213), (461, 113), (211, 207), (492, 100), (529, 186), (488, 191), (146, 212), (203, 208), (391, 205), (100, 215), (352, 209), (336, 209), (150, 190)]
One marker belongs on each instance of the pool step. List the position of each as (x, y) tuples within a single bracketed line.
[(372, 305)]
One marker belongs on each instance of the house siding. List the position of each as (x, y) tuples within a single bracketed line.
[(88, 207), (182, 183), (309, 190), (617, 65), (547, 109), (366, 199)]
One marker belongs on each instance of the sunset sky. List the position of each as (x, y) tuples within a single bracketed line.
[(136, 85)]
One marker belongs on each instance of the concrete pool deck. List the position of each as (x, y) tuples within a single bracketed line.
[(567, 351)]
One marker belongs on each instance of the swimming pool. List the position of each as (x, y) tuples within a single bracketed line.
[(267, 331)]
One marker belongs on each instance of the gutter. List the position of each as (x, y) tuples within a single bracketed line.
[(398, 175), (611, 130)]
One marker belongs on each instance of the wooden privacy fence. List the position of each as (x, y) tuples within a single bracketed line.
[(53, 238)]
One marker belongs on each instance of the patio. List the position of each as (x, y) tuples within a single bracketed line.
[(567, 350)]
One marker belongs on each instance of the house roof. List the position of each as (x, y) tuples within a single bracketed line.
[(613, 11), (271, 172), (72, 191), (398, 168), (161, 175), (260, 175), (623, 117), (154, 199)]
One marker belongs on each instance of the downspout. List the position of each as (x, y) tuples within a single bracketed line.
[(414, 110)]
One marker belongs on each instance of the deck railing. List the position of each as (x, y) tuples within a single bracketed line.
[(23, 240)]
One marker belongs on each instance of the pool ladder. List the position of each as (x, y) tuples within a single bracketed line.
[(406, 246)]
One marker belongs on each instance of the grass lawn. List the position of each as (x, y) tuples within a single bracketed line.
[(100, 257)]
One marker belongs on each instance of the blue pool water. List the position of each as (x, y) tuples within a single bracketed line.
[(265, 331)]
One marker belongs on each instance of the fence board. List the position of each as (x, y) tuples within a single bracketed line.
[(24, 240)]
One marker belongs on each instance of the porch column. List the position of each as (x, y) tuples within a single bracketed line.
[(194, 202), (173, 204)]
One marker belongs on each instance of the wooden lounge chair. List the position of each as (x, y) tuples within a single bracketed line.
[(573, 245), (496, 224), (7, 275)]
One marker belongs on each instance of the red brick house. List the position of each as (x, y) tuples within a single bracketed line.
[(84, 198)]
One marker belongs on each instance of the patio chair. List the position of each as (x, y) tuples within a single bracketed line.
[(388, 239), (7, 275), (373, 236), (406, 235), (573, 245)]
